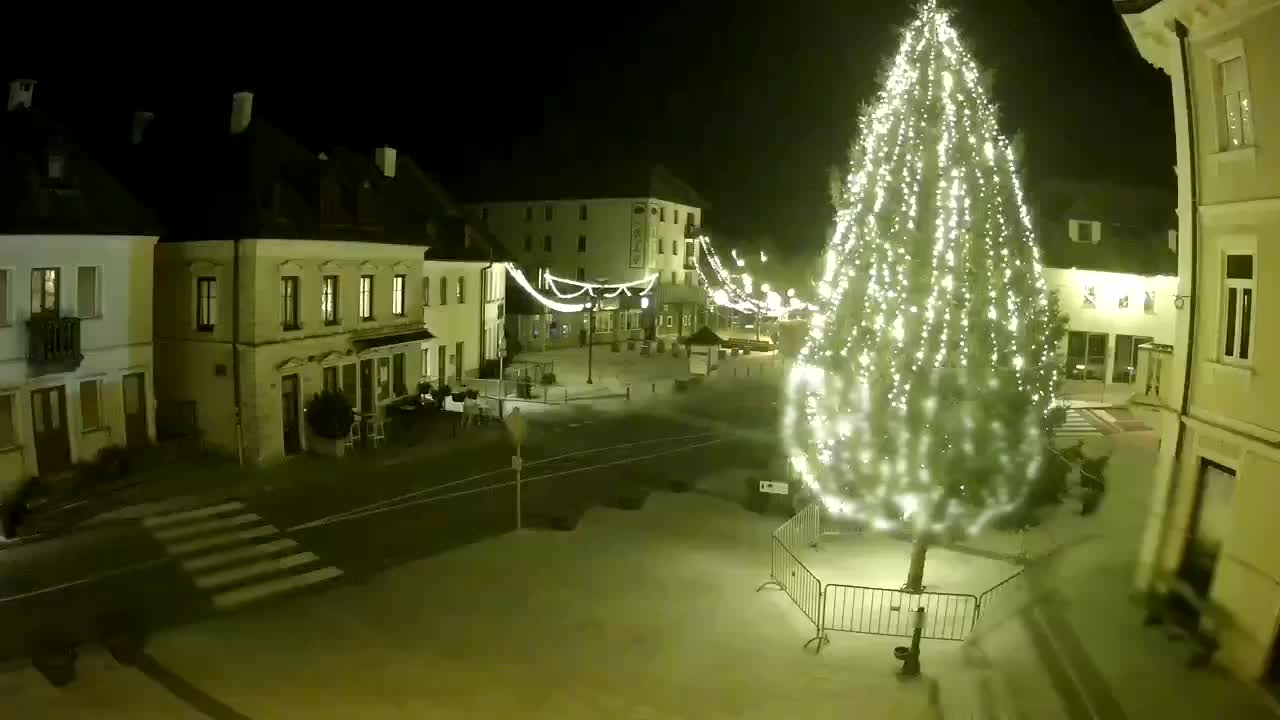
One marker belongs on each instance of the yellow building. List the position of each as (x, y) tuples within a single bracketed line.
[(1212, 542)]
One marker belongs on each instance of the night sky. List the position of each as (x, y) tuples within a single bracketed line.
[(749, 102)]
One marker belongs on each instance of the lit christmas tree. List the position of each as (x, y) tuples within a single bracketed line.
[(920, 399)]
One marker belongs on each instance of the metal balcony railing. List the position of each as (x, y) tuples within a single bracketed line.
[(53, 344)]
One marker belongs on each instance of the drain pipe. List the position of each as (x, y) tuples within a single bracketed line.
[(1185, 405), (235, 346)]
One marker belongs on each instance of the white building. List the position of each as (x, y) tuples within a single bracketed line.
[(75, 304), (463, 304), (1212, 546), (608, 227)]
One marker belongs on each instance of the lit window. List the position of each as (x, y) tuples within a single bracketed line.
[(397, 296), (1235, 116), (206, 303), (289, 302), (366, 297), (462, 290), (1237, 319), (329, 299), (426, 292)]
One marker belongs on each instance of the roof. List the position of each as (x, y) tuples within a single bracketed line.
[(1129, 7), (1135, 221), (52, 183), (704, 336), (593, 181)]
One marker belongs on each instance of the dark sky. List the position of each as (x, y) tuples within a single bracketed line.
[(749, 102)]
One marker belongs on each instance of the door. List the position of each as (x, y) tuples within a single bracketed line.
[(457, 365), (49, 424), (135, 411), (290, 414), (366, 387), (1124, 369), (442, 367)]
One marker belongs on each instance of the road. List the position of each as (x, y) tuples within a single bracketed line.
[(236, 552)]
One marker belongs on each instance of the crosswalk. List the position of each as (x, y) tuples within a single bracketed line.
[(235, 555), (1079, 426)]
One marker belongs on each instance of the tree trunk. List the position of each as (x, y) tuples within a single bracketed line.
[(915, 574)]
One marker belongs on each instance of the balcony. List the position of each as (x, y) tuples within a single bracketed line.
[(693, 232), (53, 344)]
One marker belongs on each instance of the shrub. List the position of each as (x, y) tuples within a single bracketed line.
[(330, 414), (424, 388), (548, 378), (514, 348)]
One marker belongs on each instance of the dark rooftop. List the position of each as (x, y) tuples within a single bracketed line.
[(597, 180), (1135, 224)]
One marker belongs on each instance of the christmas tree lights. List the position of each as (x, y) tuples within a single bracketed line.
[(919, 398)]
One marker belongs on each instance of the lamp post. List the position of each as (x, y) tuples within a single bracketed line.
[(591, 326)]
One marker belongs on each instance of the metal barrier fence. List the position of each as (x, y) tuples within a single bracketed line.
[(877, 611)]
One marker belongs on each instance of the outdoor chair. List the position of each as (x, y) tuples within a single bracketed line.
[(377, 430), (353, 434)]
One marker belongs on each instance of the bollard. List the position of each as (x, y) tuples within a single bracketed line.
[(653, 388), (748, 371), (628, 392), (735, 371)]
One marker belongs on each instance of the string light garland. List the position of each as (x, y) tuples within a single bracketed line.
[(919, 397), (591, 291)]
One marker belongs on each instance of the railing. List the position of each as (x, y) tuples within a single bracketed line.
[(1000, 601), (802, 529), (878, 611), (788, 574), (53, 344)]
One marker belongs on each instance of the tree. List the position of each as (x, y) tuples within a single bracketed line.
[(920, 398)]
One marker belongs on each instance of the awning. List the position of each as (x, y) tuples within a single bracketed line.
[(394, 337)]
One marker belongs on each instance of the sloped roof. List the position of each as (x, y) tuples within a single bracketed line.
[(51, 183), (704, 336), (592, 180), (1135, 226)]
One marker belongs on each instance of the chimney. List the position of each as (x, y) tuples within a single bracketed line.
[(385, 157), (20, 93), (140, 121), (241, 111)]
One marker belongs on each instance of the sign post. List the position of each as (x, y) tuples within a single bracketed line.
[(517, 427)]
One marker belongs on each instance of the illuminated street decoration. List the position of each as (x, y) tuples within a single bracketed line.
[(920, 396), (585, 290)]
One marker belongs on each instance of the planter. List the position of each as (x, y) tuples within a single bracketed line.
[(329, 447), (631, 344), (662, 346)]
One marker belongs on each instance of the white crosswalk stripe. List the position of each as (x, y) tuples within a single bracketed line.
[(236, 555), (1078, 426)]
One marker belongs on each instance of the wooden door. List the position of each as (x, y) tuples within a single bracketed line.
[(290, 415), (135, 411), (49, 424)]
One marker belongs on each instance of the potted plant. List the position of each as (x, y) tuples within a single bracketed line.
[(329, 419)]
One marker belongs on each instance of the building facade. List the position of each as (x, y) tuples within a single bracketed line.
[(610, 230), (1211, 535), (291, 271), (75, 302), (1110, 255)]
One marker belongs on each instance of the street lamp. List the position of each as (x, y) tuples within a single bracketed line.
[(591, 326)]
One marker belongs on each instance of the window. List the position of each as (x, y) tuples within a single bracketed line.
[(1237, 321), (1090, 296), (675, 247), (671, 320), (289, 302), (582, 274), (688, 279), (397, 296), (397, 375), (546, 243), (675, 215), (384, 378), (662, 214), (528, 243), (366, 297), (582, 243), (206, 303), (484, 213), (582, 212), (329, 299), (661, 247), (1085, 232), (675, 277), (444, 290), (90, 405), (329, 378), (693, 220), (87, 305), (1235, 116), (1086, 355), (45, 287), (528, 213), (462, 290), (546, 213), (8, 430), (4, 297), (1149, 303)]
